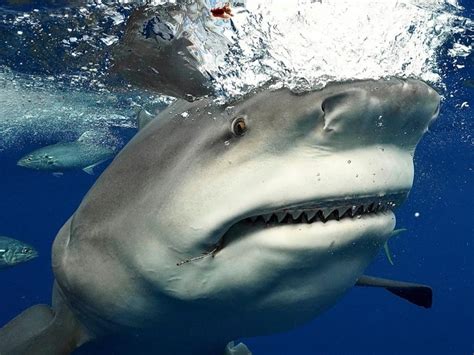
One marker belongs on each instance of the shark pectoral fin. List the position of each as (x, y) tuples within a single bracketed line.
[(421, 295), (239, 349), (24, 327), (90, 169), (41, 330)]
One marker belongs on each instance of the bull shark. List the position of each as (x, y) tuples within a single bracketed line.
[(218, 222)]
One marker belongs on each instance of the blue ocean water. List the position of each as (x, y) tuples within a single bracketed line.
[(437, 248)]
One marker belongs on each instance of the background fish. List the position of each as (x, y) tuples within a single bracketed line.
[(81, 154), (13, 252)]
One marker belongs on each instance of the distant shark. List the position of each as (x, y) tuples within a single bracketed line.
[(64, 156), (221, 222)]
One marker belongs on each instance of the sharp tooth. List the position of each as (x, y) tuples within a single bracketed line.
[(347, 212), (319, 216), (353, 210), (296, 214), (310, 215), (304, 218), (326, 212), (267, 217), (280, 216), (341, 211), (334, 215)]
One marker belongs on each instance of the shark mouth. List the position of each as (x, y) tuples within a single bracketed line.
[(310, 213), (327, 211)]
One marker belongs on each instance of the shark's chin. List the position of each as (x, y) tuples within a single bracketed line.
[(296, 271)]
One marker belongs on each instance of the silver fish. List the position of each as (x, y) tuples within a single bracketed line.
[(13, 252)]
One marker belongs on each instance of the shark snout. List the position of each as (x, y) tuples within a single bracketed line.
[(392, 111)]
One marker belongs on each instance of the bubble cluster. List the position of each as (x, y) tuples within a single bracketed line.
[(305, 44), (56, 61)]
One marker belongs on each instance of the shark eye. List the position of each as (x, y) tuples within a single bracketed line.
[(25, 250), (239, 126)]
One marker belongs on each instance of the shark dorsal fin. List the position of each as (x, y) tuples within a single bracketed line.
[(84, 137), (90, 169), (143, 118)]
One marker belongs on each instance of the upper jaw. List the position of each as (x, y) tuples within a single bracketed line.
[(310, 212), (330, 209)]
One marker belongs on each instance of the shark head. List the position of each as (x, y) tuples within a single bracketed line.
[(248, 218)]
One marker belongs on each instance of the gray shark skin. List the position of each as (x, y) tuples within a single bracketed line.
[(14, 252), (152, 56), (229, 222), (66, 156)]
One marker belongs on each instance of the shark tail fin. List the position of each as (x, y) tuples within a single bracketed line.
[(41, 331), (421, 295)]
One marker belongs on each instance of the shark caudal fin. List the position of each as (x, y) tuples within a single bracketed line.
[(421, 295), (41, 331)]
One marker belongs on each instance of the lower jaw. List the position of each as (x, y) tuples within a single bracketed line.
[(291, 273)]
